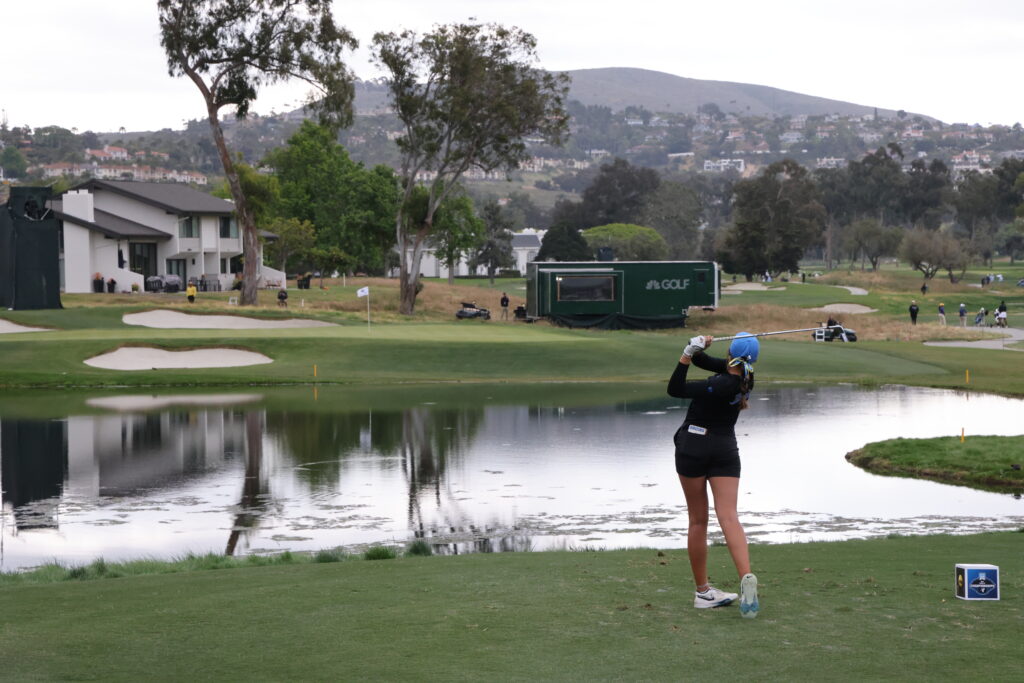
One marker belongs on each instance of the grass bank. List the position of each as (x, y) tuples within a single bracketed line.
[(990, 462), (858, 610)]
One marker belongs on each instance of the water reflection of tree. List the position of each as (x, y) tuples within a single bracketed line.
[(429, 441), (254, 487)]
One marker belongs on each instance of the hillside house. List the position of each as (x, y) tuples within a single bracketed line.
[(129, 231)]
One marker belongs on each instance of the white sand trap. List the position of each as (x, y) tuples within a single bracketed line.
[(7, 327), (132, 403), (856, 291), (844, 308), (166, 320), (148, 358), (751, 287)]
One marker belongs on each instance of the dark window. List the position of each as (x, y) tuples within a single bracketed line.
[(188, 226), (176, 266), (586, 288), (228, 228), (142, 258)]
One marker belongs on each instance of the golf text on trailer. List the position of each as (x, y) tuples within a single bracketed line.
[(668, 284)]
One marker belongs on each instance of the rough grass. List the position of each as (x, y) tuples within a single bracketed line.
[(857, 610), (989, 462)]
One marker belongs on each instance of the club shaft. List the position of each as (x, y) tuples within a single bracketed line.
[(767, 334)]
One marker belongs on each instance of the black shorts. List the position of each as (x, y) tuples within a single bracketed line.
[(706, 455)]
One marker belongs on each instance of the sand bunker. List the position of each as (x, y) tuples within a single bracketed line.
[(177, 320), (856, 291), (7, 327), (844, 308), (751, 287), (130, 403), (148, 358)]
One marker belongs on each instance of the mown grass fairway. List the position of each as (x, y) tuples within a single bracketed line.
[(858, 610)]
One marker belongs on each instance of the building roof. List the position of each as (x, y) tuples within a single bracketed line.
[(525, 241), (172, 197), (109, 224)]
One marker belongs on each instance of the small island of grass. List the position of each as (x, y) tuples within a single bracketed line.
[(987, 462)]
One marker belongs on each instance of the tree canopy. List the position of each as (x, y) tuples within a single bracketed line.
[(231, 48), (467, 95), (778, 215), (628, 242)]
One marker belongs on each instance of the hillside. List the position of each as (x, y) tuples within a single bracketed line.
[(664, 93)]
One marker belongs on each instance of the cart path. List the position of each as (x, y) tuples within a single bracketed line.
[(1014, 334)]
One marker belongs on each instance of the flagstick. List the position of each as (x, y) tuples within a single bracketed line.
[(367, 312)]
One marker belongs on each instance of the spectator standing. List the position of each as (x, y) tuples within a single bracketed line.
[(924, 289), (913, 311), (504, 306), (942, 313), (963, 315), (190, 292)]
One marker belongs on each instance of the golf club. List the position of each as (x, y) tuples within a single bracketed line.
[(766, 334)]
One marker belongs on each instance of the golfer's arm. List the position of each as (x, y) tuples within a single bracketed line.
[(710, 363), (678, 387)]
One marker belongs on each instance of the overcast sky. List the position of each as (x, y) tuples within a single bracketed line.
[(99, 66)]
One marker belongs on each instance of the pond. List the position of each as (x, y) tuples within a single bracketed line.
[(467, 468)]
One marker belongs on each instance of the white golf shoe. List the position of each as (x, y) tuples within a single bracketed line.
[(712, 597)]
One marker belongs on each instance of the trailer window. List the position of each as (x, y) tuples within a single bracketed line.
[(586, 288)]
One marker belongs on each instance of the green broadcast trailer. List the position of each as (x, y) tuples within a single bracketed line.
[(620, 294)]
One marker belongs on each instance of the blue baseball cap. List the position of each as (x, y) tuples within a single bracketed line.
[(745, 346)]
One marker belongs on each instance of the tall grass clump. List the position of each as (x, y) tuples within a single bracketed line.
[(380, 552), (419, 547)]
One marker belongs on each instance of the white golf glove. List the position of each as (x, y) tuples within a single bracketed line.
[(696, 344)]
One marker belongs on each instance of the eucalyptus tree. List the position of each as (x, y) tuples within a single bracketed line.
[(467, 96), (230, 48), (778, 214)]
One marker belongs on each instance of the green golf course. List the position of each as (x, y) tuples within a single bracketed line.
[(875, 609)]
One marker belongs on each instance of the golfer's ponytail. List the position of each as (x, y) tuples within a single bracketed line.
[(746, 385)]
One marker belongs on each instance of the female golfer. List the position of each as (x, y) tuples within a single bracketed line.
[(706, 453)]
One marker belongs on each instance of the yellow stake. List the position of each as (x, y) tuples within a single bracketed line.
[(967, 374), (961, 435), (314, 371)]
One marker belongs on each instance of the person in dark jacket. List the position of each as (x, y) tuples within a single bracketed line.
[(913, 312), (707, 456)]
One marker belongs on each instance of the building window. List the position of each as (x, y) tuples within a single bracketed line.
[(142, 258), (188, 226), (176, 266), (586, 288), (228, 228)]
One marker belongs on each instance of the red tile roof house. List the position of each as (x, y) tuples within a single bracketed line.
[(129, 231)]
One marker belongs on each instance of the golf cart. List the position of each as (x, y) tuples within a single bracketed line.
[(470, 310), (838, 332)]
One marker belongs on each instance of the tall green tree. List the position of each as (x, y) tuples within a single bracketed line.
[(871, 240), (628, 242), (230, 48), (262, 191), (674, 210), (13, 162), (496, 249), (349, 206), (563, 242), (617, 194), (466, 95), (777, 216), (458, 230), (292, 244)]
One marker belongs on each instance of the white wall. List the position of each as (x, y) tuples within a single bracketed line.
[(77, 262)]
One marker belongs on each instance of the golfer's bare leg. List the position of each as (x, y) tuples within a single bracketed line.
[(696, 493), (725, 491)]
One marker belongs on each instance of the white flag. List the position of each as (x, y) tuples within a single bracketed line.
[(365, 291)]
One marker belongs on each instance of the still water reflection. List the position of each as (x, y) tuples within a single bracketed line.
[(162, 476)]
